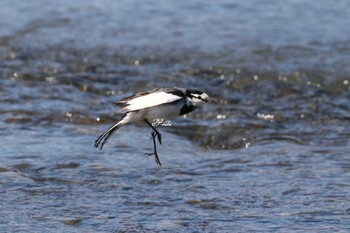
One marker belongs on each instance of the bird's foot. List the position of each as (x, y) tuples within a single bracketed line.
[(156, 158)]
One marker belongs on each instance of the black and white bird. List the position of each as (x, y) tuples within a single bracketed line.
[(158, 104)]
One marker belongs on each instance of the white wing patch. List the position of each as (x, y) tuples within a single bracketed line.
[(151, 100)]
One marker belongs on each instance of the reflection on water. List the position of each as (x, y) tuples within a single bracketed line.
[(270, 154)]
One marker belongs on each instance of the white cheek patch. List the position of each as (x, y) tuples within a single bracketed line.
[(204, 96)]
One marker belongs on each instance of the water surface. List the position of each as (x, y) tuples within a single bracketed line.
[(271, 154)]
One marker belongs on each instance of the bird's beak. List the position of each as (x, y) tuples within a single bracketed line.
[(211, 100)]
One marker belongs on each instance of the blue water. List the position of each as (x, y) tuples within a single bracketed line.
[(270, 156)]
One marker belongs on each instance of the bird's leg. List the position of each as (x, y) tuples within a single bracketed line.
[(154, 134), (159, 136)]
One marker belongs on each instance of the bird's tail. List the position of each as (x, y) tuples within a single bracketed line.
[(102, 139)]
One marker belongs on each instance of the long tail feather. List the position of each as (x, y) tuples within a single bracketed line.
[(102, 139)]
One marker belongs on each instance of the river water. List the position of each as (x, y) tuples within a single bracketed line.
[(272, 155)]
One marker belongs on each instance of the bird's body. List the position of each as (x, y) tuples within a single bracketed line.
[(158, 104)]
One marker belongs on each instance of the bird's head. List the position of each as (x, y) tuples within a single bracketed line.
[(197, 97)]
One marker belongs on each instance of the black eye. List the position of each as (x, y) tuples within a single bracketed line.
[(193, 93), (196, 97)]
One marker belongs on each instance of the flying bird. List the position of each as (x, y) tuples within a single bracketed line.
[(158, 104)]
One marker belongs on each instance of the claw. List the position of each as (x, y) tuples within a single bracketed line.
[(156, 158)]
